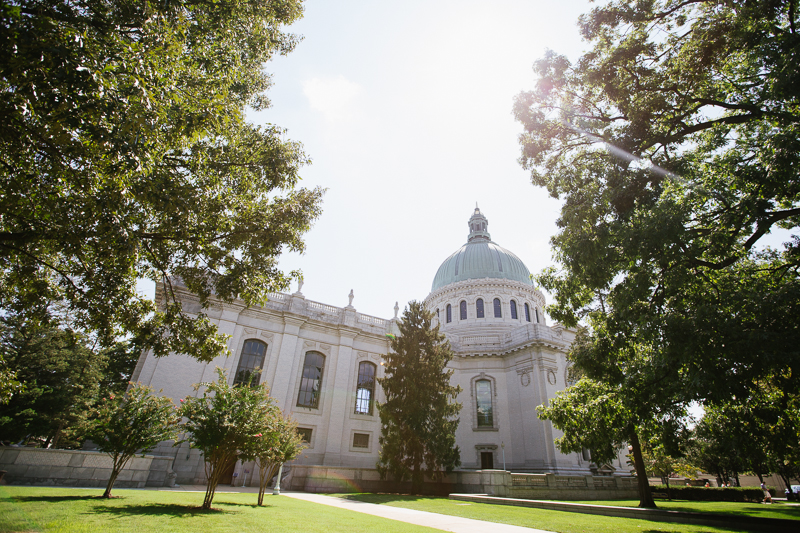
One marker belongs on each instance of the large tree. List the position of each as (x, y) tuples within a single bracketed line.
[(125, 154), (420, 415), (674, 145)]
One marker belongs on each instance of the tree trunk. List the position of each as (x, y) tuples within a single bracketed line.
[(217, 467), (669, 494), (117, 465), (416, 480), (645, 496)]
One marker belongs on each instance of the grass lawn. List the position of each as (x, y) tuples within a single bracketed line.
[(560, 521), (52, 509), (789, 510)]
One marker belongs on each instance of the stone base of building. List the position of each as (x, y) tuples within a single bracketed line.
[(81, 468), (311, 478)]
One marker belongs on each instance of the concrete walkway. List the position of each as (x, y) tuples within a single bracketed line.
[(456, 524)]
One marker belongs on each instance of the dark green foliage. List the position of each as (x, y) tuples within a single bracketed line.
[(121, 359), (60, 373), (419, 417), (713, 494), (124, 426), (674, 145), (125, 153)]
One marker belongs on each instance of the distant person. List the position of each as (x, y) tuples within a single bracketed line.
[(767, 495)]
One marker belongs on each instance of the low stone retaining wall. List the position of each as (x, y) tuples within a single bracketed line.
[(81, 468), (310, 478)]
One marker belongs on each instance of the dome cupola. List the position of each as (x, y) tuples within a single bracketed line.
[(480, 258)]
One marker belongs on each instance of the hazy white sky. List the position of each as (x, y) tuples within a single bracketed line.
[(405, 110)]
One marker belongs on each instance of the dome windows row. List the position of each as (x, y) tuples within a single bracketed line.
[(526, 312)]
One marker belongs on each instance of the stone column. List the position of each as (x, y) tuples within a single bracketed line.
[(337, 405), (285, 364)]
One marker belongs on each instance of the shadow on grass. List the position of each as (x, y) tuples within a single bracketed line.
[(386, 498), (56, 499), (166, 510), (746, 509)]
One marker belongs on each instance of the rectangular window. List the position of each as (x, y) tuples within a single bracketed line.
[(360, 440), (305, 434)]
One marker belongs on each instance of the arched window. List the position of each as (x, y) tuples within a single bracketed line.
[(513, 309), (537, 315), (497, 312), (462, 310), (311, 380), (479, 308), (250, 363), (527, 313), (449, 313), (365, 389), (483, 396), (437, 313)]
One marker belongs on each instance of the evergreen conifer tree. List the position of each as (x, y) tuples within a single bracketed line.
[(420, 415)]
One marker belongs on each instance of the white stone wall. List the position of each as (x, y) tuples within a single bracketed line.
[(524, 361)]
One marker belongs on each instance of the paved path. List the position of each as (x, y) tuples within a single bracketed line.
[(456, 524)]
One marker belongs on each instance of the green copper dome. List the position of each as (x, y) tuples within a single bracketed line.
[(480, 258)]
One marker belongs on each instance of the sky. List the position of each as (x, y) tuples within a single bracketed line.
[(405, 109)]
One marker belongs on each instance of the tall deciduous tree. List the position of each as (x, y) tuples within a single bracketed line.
[(225, 422), (124, 426), (674, 145), (420, 415), (125, 153)]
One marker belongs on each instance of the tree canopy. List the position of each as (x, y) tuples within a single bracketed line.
[(125, 154), (420, 415), (674, 145)]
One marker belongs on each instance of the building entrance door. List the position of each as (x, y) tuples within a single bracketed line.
[(487, 461)]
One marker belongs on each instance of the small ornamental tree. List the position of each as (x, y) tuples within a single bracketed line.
[(420, 415), (280, 445), (223, 423), (134, 423)]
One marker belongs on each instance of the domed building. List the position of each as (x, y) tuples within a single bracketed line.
[(508, 361), (322, 363)]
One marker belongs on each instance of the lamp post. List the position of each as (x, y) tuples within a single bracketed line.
[(277, 489), (503, 448)]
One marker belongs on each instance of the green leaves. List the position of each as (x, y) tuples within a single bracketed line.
[(125, 154)]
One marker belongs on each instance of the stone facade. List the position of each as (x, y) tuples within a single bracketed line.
[(80, 468), (317, 358)]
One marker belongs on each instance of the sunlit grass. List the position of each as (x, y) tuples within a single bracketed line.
[(559, 521), (52, 509)]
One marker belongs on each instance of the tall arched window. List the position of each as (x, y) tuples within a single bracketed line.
[(311, 380), (513, 309), (527, 313), (365, 389), (483, 396), (462, 310), (250, 363), (537, 315), (449, 313), (479, 308), (497, 312)]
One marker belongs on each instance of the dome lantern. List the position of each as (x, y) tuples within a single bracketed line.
[(478, 227)]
